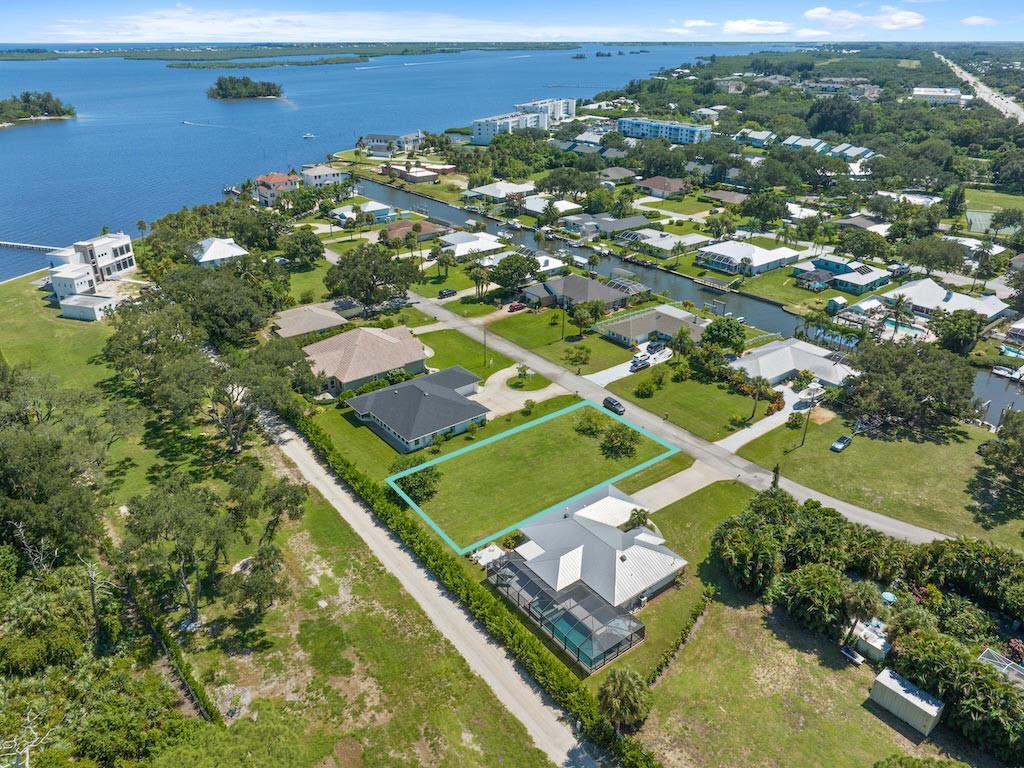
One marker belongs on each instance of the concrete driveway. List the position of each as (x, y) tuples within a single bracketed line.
[(497, 395), (621, 371)]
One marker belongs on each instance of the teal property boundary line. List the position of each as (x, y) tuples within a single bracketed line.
[(670, 450)]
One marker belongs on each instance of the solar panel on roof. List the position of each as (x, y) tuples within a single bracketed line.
[(864, 269)]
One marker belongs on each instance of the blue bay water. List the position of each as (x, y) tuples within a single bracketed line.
[(129, 155)]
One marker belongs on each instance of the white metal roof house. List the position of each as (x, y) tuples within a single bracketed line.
[(781, 360), (584, 543), (380, 211), (465, 244), (214, 251), (803, 142), (536, 205), (547, 263), (499, 191), (928, 297), (734, 257), (660, 243)]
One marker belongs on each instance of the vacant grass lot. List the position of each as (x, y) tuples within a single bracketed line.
[(655, 473), (499, 484), (434, 283), (752, 688), (454, 348), (921, 482), (708, 410), (988, 200), (361, 445), (542, 333), (687, 526), (688, 205)]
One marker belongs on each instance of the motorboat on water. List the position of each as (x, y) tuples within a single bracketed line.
[(308, 136)]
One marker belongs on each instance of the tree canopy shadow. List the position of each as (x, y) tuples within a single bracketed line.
[(994, 502)]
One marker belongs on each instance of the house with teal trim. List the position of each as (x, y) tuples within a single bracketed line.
[(842, 274), (801, 142)]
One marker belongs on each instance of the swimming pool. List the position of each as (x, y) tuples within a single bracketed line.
[(905, 328)]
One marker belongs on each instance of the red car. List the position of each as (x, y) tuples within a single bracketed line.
[(516, 306)]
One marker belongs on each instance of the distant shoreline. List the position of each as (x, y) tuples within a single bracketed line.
[(38, 119)]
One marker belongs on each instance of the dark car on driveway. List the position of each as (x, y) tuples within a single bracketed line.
[(446, 293), (639, 365), (614, 405)]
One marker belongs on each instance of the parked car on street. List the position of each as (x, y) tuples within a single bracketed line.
[(614, 405), (841, 443)]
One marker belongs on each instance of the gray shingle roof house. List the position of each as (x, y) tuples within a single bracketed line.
[(573, 289), (298, 321), (412, 414), (662, 322), (616, 173), (362, 355)]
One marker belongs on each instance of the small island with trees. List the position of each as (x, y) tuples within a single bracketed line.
[(33, 105), (228, 87)]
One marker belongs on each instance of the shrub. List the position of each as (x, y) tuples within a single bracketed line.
[(658, 377), (645, 388), (619, 441), (307, 296), (589, 423), (681, 370), (814, 595), (528, 407), (795, 420), (1014, 650)]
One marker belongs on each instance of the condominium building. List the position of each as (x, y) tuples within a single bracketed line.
[(557, 110), (486, 128), (675, 132), (937, 96)]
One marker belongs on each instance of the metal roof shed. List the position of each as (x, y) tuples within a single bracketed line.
[(918, 709)]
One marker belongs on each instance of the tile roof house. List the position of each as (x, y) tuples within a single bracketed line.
[(663, 186), (781, 360), (271, 186), (573, 289), (214, 251), (734, 257), (726, 197), (584, 543), (412, 414), (322, 175), (661, 322), (362, 355), (310, 318), (400, 228)]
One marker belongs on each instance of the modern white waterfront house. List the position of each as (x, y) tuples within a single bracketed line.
[(78, 272), (675, 132), (486, 128)]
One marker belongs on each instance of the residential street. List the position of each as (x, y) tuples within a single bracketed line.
[(511, 685), (715, 456)]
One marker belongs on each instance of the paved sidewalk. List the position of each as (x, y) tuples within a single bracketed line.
[(741, 437), (678, 486), (509, 682)]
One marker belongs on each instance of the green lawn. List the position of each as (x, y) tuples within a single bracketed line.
[(688, 205), (707, 410), (433, 284), (988, 200), (687, 526), (684, 227), (542, 333), (751, 688), (921, 482), (768, 243), (531, 383), (454, 348), (492, 487), (665, 468), (780, 285), (361, 445), (470, 306), (308, 283)]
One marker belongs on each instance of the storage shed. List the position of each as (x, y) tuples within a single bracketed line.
[(918, 709)]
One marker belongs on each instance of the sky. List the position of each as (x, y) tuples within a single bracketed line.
[(146, 21)]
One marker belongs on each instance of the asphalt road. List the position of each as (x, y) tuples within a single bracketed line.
[(1007, 106)]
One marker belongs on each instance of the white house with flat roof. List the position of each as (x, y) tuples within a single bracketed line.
[(78, 272), (498, 191), (321, 175), (935, 97)]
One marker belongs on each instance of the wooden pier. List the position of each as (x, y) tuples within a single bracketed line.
[(716, 284), (28, 247)]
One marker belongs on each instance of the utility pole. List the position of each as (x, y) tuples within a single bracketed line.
[(807, 423)]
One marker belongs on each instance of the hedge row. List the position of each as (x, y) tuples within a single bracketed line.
[(684, 634), (548, 671)]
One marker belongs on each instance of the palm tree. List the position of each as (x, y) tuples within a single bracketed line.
[(141, 224), (899, 310), (678, 250), (682, 343), (417, 230), (624, 697), (410, 241), (638, 518), (862, 601), (480, 276), (446, 260), (593, 260), (761, 386), (435, 255)]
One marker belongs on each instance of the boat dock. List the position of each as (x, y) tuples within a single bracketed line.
[(29, 247), (715, 284)]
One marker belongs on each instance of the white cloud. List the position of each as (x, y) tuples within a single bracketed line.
[(977, 21), (888, 17), (182, 22), (812, 34), (756, 27), (695, 23)]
